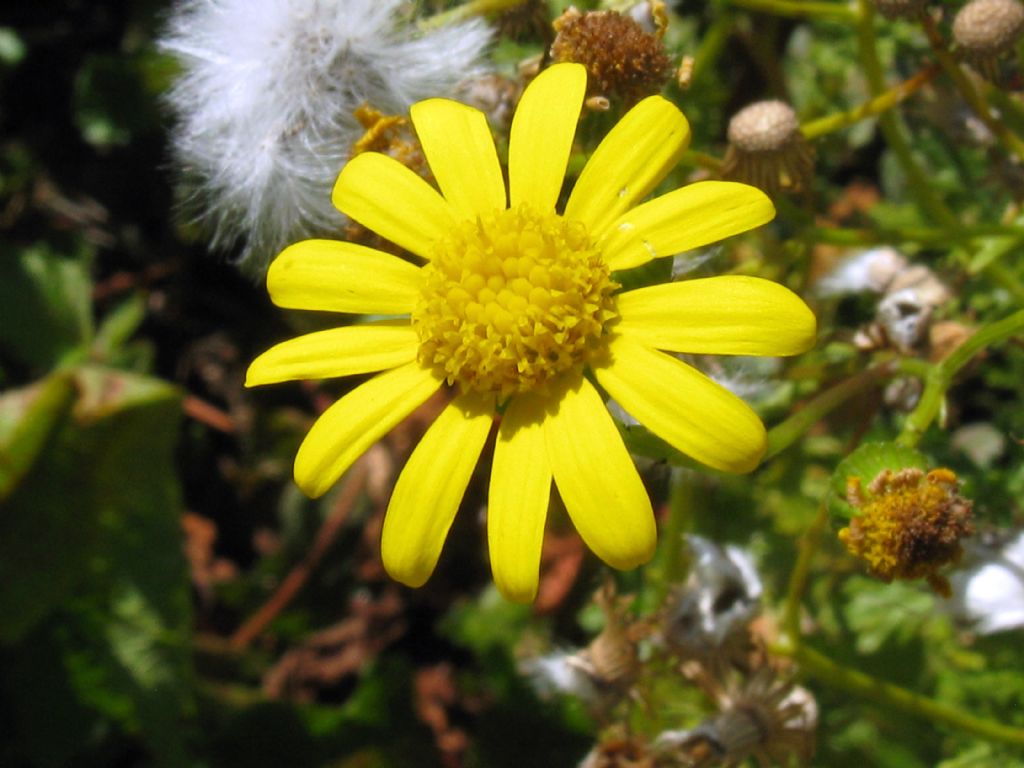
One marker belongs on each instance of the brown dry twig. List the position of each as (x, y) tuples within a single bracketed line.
[(299, 575)]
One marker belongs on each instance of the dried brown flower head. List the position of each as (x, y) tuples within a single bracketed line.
[(767, 149), (392, 135), (986, 31), (910, 524), (604, 672), (611, 658), (619, 749), (622, 59)]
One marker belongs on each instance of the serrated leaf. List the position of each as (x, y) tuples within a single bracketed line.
[(879, 613)]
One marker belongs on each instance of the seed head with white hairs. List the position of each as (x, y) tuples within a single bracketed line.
[(265, 102)]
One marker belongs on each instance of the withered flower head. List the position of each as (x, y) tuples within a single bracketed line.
[(767, 149), (621, 58), (910, 524), (900, 9), (707, 618), (391, 135), (619, 749), (764, 717), (986, 31), (603, 672)]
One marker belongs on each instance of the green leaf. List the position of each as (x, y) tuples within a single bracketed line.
[(120, 325), (12, 47), (121, 615), (878, 613), (47, 301), (112, 104), (47, 525), (28, 420), (982, 755)]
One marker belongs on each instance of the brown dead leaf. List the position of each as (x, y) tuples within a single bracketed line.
[(205, 567), (330, 655), (436, 695)]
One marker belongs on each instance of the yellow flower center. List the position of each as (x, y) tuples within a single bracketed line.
[(512, 300)]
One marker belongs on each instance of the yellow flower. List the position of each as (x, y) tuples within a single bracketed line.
[(515, 308)]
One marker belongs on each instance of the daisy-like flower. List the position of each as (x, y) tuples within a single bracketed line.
[(515, 308)]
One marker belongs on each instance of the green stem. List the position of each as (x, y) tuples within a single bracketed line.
[(1006, 278), (892, 127), (711, 45), (468, 11), (1012, 110), (799, 9), (680, 517), (876, 106), (783, 435), (975, 99), (798, 578), (881, 692), (1014, 234), (701, 160), (941, 375), (997, 246)]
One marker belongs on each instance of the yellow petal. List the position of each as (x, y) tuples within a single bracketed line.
[(386, 197), (686, 218), (430, 488), (461, 154), (354, 423), (596, 478), (542, 133), (684, 407), (336, 352), (728, 315), (342, 277), (518, 500), (635, 155)]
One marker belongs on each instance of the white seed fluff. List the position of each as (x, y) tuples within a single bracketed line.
[(265, 98)]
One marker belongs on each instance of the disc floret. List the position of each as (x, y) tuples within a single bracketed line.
[(512, 300)]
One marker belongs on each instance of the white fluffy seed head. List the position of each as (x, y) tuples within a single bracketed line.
[(265, 99)]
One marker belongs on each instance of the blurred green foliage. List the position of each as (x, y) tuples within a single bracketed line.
[(146, 508)]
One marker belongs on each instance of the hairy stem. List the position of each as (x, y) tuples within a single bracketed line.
[(941, 375), (876, 106), (881, 692), (798, 9), (892, 126), (974, 98), (793, 428)]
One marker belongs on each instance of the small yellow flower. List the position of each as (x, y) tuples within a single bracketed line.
[(516, 307)]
